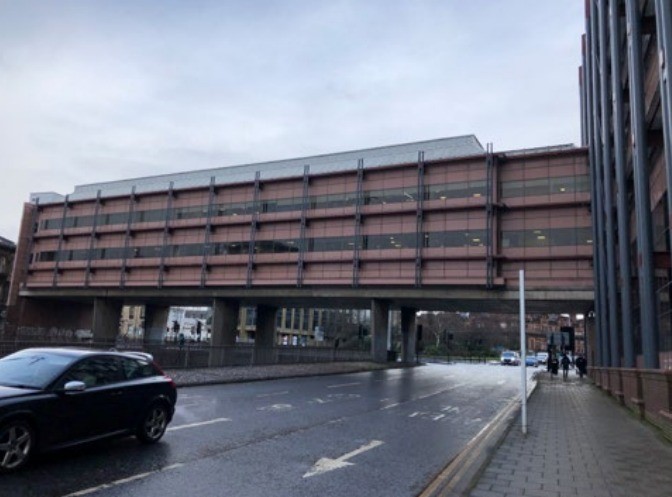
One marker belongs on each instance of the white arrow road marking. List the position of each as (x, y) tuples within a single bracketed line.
[(325, 464), (202, 423)]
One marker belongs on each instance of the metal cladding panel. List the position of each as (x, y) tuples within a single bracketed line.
[(444, 148)]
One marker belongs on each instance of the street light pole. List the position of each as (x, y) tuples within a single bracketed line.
[(523, 372)]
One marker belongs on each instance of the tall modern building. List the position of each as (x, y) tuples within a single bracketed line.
[(440, 224), (627, 125)]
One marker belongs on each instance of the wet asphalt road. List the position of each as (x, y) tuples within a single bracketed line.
[(381, 433)]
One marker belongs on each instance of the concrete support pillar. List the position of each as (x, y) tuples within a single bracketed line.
[(105, 321), (225, 314), (409, 335), (265, 333), (156, 320), (379, 319)]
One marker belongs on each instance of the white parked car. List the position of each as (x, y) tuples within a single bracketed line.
[(510, 358), (542, 357)]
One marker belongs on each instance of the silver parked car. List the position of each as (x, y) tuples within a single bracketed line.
[(510, 358)]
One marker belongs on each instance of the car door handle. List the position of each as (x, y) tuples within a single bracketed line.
[(117, 393)]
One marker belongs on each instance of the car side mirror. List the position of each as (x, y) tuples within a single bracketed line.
[(74, 386)]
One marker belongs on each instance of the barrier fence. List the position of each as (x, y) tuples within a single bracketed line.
[(202, 355)]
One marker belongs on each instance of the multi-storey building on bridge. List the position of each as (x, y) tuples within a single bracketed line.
[(441, 224)]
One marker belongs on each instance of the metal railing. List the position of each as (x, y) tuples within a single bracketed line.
[(202, 355)]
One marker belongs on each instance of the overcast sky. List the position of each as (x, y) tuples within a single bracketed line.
[(102, 90)]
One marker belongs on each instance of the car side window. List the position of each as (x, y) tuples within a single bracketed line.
[(95, 372), (137, 368)]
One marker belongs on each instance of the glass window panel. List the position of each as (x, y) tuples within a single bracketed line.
[(191, 212), (582, 183), (48, 256), (456, 190), (536, 238), (562, 185), (477, 188), (117, 218), (188, 250), (476, 238), (563, 237), (513, 189), (536, 187), (155, 215), (51, 224), (512, 239), (374, 197), (251, 316), (584, 236)]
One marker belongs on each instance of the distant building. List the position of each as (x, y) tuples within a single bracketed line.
[(7, 250)]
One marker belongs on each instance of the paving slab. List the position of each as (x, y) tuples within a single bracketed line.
[(579, 442)]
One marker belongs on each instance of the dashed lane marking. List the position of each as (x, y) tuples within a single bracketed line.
[(343, 385), (273, 394), (201, 423), (123, 481), (276, 407)]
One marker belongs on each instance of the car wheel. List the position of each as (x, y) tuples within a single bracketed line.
[(17, 440), (153, 424)]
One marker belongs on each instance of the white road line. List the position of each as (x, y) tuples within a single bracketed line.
[(274, 394), (195, 425), (422, 397), (432, 394), (116, 483), (276, 407), (344, 385)]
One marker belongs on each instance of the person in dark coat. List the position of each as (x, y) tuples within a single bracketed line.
[(581, 365), (565, 362), (553, 361)]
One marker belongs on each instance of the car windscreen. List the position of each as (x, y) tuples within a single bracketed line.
[(35, 369)]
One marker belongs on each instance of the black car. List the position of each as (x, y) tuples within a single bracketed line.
[(56, 398)]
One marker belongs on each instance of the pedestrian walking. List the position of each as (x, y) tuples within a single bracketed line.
[(553, 361), (581, 365), (565, 361)]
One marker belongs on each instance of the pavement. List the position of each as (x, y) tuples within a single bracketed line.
[(579, 440)]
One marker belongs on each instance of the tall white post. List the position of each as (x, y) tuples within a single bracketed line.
[(523, 353)]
